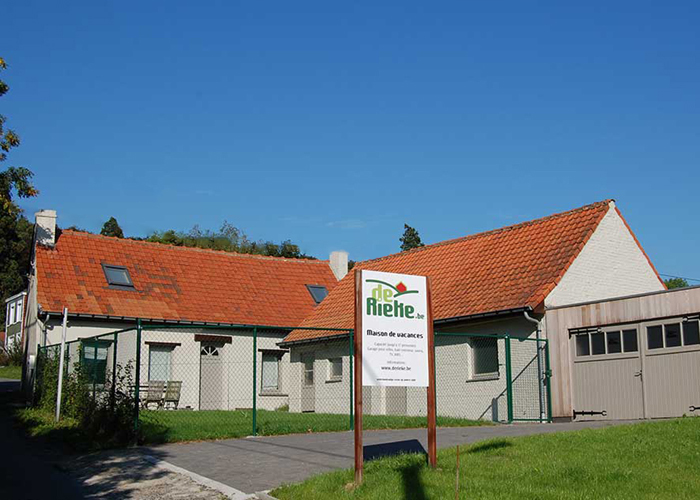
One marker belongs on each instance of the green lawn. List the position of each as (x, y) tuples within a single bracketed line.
[(653, 460), (14, 372), (171, 426)]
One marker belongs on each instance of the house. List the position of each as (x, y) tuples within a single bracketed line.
[(14, 319), (109, 284), (504, 281)]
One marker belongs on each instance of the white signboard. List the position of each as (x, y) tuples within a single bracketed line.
[(394, 330)]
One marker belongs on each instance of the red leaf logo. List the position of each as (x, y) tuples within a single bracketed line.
[(401, 287)]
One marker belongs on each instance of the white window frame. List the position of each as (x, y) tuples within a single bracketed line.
[(161, 348), (683, 321), (331, 376), (278, 359)]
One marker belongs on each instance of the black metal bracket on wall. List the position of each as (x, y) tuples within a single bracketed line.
[(584, 413)]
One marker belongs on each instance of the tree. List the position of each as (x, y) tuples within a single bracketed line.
[(16, 231), (410, 238), (111, 228), (672, 283)]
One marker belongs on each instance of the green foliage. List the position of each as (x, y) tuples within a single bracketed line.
[(12, 355), (15, 230), (410, 238), (229, 239), (672, 283), (111, 228), (104, 414), (11, 372)]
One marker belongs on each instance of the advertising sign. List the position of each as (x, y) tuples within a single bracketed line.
[(394, 330)]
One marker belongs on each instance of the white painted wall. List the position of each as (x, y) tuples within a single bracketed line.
[(610, 265)]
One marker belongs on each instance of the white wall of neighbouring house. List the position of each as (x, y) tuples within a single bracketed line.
[(611, 264)]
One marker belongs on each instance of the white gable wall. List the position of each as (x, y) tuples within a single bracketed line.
[(610, 265)]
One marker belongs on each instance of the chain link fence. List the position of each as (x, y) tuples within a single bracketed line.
[(164, 383)]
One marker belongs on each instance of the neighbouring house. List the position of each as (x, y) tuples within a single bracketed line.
[(14, 319), (504, 281), (109, 283)]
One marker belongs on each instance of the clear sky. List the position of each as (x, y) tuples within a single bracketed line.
[(333, 123)]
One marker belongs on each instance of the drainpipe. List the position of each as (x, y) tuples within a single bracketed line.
[(540, 378)]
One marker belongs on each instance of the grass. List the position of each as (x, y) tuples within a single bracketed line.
[(653, 460), (173, 426), (13, 372)]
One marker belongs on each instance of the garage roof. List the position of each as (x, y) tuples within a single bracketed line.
[(503, 269)]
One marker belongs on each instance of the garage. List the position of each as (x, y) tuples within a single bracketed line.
[(628, 358), (632, 371)]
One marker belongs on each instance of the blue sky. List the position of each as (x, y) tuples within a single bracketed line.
[(333, 123)]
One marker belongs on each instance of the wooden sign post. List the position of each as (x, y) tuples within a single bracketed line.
[(393, 344)]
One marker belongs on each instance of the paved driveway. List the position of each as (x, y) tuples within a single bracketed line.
[(259, 464)]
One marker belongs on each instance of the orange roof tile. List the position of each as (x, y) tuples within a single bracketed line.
[(508, 268), (176, 283)]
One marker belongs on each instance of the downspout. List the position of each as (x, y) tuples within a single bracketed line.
[(540, 377)]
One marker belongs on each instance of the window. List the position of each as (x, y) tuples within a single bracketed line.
[(95, 361), (691, 335), (614, 342), (335, 369), (118, 276), (583, 348), (11, 314), (270, 371), (598, 343), (308, 370), (318, 292), (629, 339), (485, 356), (673, 335), (159, 362), (655, 337), (18, 311)]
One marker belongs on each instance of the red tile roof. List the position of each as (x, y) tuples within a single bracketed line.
[(508, 268), (176, 283)]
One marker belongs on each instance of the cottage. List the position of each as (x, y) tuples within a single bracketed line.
[(108, 284), (503, 281)]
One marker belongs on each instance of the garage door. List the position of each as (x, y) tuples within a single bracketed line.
[(643, 370), (607, 377)]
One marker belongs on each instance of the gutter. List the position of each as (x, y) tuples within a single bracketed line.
[(503, 312)]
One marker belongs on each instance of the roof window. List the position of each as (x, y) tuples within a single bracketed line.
[(118, 276), (318, 292)]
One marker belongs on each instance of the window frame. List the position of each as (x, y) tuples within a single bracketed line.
[(621, 329), (114, 285), (161, 348), (96, 379), (278, 357), (332, 377), (474, 348), (313, 288), (664, 349)]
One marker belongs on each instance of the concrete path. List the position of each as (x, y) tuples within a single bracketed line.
[(260, 464)]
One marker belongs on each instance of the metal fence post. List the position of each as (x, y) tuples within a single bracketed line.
[(255, 380), (113, 395), (548, 376), (509, 381), (351, 335), (137, 376)]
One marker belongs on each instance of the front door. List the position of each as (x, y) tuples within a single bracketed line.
[(607, 374), (211, 377), (308, 389)]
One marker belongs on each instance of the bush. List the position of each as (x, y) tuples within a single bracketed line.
[(104, 412), (11, 356)]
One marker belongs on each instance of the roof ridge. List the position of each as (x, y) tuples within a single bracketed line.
[(193, 249), (482, 234)]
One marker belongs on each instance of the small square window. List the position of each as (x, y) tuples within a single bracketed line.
[(673, 334), (583, 348), (318, 292), (485, 356), (691, 335), (117, 276), (655, 337), (614, 343), (598, 343), (629, 338)]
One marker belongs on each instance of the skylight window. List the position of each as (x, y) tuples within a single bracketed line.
[(318, 292), (118, 276)]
